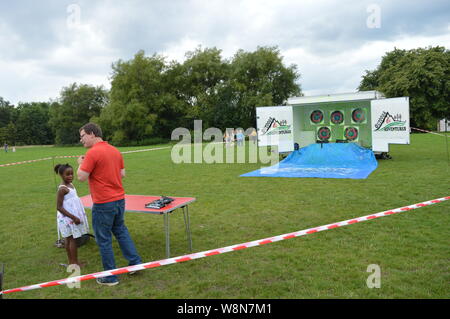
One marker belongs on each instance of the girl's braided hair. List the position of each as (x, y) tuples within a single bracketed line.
[(60, 168)]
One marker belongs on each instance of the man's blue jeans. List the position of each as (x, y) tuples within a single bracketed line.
[(108, 219)]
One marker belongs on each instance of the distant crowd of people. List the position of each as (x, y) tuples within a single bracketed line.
[(238, 135), (5, 147)]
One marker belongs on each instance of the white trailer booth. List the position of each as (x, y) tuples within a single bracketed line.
[(366, 118)]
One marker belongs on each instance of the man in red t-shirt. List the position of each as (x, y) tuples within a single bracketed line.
[(104, 168)]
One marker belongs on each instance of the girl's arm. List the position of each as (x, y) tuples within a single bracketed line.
[(59, 205)]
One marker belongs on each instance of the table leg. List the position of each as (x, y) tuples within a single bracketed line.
[(188, 227), (166, 230)]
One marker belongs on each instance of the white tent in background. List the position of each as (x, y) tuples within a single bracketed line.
[(441, 125)]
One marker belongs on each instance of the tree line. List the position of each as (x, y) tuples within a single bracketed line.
[(423, 74), (149, 96)]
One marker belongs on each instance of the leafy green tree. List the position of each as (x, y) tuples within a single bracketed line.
[(149, 97), (7, 112), (3, 135), (8, 115), (197, 81), (141, 105), (8, 134), (423, 74), (32, 124), (76, 106), (257, 78)]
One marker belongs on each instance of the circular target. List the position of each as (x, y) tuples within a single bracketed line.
[(358, 115), (351, 133), (316, 116), (337, 117), (324, 133)]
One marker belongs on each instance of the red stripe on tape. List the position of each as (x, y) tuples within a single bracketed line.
[(268, 241), (371, 217), (353, 221), (51, 284), (311, 231), (87, 277), (152, 265), (13, 290), (239, 247), (333, 226), (212, 253), (182, 259), (289, 236), (119, 271)]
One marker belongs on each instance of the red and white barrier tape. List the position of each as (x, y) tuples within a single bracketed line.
[(69, 156), (24, 162), (148, 149), (223, 250), (37, 160), (425, 131)]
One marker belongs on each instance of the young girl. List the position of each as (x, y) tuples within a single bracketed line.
[(71, 217)]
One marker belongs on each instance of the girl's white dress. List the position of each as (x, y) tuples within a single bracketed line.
[(72, 203)]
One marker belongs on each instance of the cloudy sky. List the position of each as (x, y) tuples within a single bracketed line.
[(48, 44)]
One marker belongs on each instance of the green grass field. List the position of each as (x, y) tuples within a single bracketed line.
[(411, 249)]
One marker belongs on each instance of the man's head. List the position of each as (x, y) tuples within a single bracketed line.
[(90, 134)]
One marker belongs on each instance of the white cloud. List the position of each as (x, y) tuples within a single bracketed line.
[(329, 41), (79, 55), (342, 72), (176, 50)]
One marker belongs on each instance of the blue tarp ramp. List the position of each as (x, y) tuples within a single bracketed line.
[(327, 160)]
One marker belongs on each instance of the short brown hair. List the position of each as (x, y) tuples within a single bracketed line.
[(92, 128)]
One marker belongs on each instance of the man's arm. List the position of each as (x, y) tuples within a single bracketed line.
[(81, 175), (122, 173)]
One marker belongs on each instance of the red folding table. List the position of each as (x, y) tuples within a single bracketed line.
[(136, 203)]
